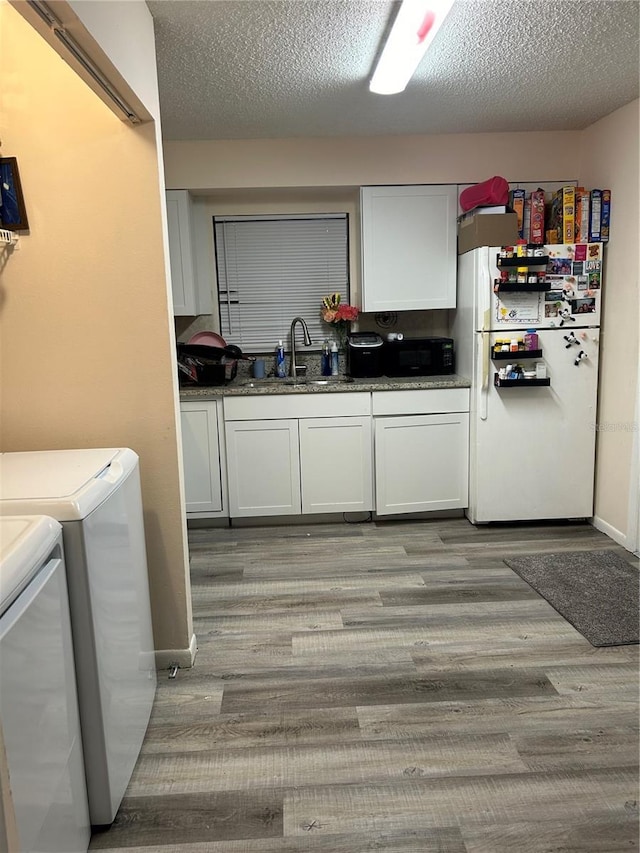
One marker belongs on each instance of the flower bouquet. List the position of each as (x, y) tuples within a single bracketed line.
[(339, 315)]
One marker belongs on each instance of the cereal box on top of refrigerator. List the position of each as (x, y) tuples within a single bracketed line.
[(605, 215), (582, 215), (536, 232)]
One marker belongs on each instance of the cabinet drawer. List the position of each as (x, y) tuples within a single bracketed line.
[(297, 406), (433, 402)]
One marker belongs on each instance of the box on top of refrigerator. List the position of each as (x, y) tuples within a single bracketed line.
[(605, 215), (517, 200), (536, 228), (595, 216), (562, 216), (489, 229), (582, 215)]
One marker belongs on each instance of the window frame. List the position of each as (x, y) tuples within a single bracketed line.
[(325, 330)]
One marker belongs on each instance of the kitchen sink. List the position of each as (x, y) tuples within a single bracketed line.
[(300, 381), (326, 380)]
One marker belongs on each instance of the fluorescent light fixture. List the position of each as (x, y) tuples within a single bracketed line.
[(413, 30)]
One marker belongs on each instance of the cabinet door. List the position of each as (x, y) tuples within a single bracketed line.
[(336, 462), (409, 245), (421, 463), (263, 467), (201, 457), (181, 253)]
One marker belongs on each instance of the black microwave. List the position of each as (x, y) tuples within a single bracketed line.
[(419, 357)]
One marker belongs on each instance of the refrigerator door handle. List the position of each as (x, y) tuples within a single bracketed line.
[(486, 369), (485, 290)]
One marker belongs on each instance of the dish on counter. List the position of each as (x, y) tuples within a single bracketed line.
[(209, 339)]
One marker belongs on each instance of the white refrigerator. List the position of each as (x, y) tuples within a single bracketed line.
[(532, 441)]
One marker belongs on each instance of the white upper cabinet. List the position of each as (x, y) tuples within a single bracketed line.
[(189, 298), (409, 247)]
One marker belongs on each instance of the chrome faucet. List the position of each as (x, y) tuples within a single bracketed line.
[(298, 369)]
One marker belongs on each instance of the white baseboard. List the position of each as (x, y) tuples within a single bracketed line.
[(611, 531), (184, 658)]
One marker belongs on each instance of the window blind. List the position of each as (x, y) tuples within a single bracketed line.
[(272, 269)]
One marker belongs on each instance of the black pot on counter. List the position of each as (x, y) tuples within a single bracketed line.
[(204, 365), (213, 353)]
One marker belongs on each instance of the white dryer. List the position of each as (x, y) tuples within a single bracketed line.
[(95, 495), (43, 798)]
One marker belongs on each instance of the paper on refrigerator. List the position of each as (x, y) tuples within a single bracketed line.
[(518, 308)]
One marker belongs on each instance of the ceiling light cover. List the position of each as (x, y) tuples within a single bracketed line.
[(413, 30)]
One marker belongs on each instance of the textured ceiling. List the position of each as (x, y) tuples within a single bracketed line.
[(246, 69)]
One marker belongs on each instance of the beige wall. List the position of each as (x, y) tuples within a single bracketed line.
[(453, 158), (86, 332), (609, 160)]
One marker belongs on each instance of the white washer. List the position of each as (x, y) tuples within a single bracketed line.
[(95, 495), (43, 798)]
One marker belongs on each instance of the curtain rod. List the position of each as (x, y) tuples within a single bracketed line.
[(57, 27)]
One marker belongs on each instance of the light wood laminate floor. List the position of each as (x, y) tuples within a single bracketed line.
[(386, 686)]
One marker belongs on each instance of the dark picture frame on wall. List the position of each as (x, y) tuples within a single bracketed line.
[(13, 213)]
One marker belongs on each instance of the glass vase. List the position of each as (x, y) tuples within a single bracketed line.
[(342, 332)]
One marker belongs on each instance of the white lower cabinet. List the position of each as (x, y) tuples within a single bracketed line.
[(203, 459), (314, 460), (336, 464), (263, 467), (422, 460), (303, 454)]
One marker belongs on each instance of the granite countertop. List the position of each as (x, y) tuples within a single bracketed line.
[(319, 385)]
